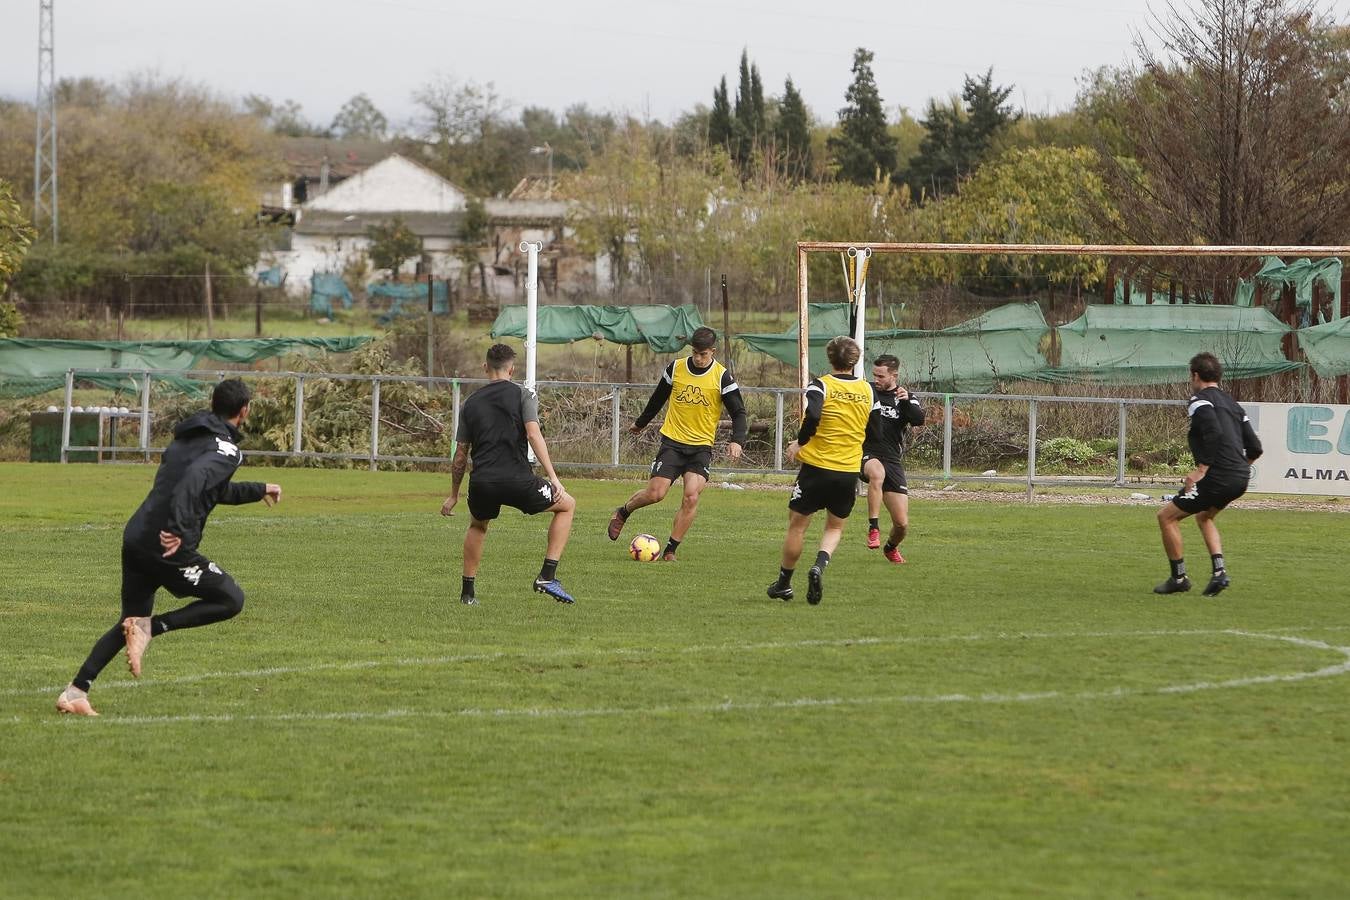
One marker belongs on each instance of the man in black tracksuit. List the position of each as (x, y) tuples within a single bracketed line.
[(1224, 446), (159, 543)]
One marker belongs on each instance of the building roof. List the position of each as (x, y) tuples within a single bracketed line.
[(394, 184), (304, 156)]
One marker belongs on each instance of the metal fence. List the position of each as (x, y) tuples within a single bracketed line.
[(621, 400)]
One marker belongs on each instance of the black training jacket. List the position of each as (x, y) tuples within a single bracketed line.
[(194, 475)]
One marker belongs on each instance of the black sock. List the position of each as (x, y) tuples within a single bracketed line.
[(888, 547), (785, 576), (672, 545), (822, 559), (157, 626), (1178, 568), (872, 523), (624, 512), (466, 586), (1217, 560), (549, 571)]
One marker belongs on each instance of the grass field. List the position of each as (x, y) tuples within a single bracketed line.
[(1013, 713)]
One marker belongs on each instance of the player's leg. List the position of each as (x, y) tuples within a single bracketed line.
[(829, 542), (897, 504), (1169, 524), (655, 491), (218, 597), (474, 539), (792, 551), (138, 599), (559, 529), (694, 483), (875, 472), (1218, 580)]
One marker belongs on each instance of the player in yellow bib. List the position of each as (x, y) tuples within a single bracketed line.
[(698, 388), (829, 447)]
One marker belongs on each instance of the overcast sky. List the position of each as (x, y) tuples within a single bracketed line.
[(646, 57)]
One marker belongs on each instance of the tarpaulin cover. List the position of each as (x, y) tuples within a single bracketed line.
[(665, 329), (34, 366), (324, 288)]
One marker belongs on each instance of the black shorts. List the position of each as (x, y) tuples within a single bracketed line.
[(894, 482), (530, 495), (817, 489), (673, 460), (187, 575), (1209, 494)]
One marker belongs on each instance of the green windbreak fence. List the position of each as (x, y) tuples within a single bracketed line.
[(34, 366), (1000, 344), (665, 329), (1154, 344), (1149, 344)]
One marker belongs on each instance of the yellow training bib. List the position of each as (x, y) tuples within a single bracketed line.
[(695, 404), (838, 441)]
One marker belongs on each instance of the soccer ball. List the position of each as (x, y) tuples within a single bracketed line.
[(644, 548)]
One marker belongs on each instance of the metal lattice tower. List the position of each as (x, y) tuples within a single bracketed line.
[(44, 150)]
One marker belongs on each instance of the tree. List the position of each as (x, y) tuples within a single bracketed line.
[(792, 134), (473, 141), (960, 135), (15, 234), (1036, 195), (1239, 127), (862, 150), (285, 118), (360, 118), (719, 120), (392, 244)]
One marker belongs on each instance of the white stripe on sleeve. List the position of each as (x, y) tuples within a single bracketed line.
[(1196, 404)]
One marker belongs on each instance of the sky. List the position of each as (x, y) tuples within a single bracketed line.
[(649, 58)]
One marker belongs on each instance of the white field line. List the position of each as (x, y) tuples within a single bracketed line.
[(620, 652), (800, 703)]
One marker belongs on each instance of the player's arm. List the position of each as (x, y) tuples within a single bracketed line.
[(1251, 444), (911, 410), (734, 404), (238, 493), (815, 402), (459, 464), (660, 394), (529, 414)]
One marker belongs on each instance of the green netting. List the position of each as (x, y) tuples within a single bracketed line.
[(1154, 344), (665, 329), (34, 366), (1327, 347), (414, 295), (971, 356), (324, 288), (1301, 273)]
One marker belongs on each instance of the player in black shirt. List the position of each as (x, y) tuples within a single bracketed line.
[(893, 414), (160, 540), (1224, 446), (495, 426)]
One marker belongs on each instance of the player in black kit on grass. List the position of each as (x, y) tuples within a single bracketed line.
[(495, 426), (159, 543), (1224, 446), (888, 435)]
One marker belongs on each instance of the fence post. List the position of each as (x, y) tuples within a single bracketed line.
[(1031, 449), (374, 424), (947, 436), (1120, 448), (299, 412), (778, 430), (145, 416), (454, 416), (614, 426), (65, 415)]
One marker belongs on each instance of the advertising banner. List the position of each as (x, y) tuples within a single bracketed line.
[(1307, 448)]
